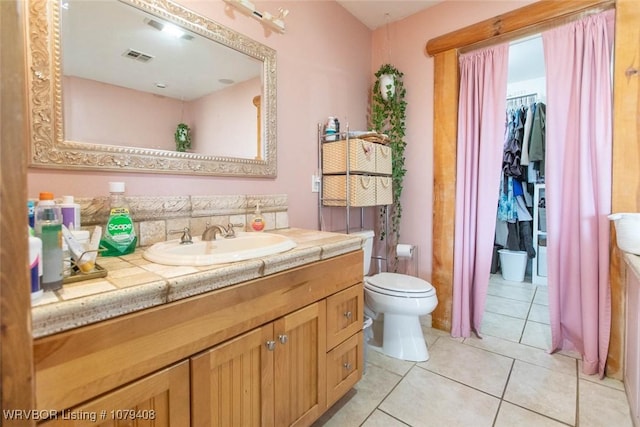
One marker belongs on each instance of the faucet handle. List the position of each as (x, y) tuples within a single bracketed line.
[(185, 239), (230, 229)]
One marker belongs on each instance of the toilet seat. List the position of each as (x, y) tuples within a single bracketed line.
[(399, 285)]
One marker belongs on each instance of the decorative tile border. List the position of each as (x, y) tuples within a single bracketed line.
[(160, 218)]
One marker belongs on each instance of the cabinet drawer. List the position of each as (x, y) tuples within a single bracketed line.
[(383, 159), (362, 156), (344, 367), (344, 314)]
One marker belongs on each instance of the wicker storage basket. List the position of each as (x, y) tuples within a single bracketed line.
[(627, 231), (362, 156), (384, 193), (362, 190), (383, 159)]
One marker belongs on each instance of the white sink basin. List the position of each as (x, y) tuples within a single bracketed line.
[(240, 248)]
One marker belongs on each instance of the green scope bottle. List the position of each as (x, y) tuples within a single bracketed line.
[(119, 236)]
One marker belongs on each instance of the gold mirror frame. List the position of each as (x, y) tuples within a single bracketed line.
[(48, 149)]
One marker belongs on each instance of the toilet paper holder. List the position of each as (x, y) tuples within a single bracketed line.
[(407, 259)]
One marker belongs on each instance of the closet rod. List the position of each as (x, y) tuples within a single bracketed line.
[(510, 98)]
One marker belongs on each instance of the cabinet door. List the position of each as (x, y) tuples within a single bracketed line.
[(344, 367), (300, 371), (158, 400), (632, 344), (232, 384), (344, 314)]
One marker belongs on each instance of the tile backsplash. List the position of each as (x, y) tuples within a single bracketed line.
[(160, 218)]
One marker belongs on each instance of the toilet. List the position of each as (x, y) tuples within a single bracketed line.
[(402, 300)]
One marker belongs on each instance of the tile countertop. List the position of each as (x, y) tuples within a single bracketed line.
[(133, 283)]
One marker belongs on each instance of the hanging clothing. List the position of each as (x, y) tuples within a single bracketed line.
[(512, 152), (537, 145), (528, 122)]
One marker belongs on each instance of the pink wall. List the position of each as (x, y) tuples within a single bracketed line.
[(326, 61), (226, 115), (403, 44), (101, 113)]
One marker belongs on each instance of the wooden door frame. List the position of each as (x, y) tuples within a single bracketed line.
[(16, 354), (524, 21)]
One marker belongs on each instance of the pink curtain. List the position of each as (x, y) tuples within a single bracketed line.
[(578, 191), (481, 124)]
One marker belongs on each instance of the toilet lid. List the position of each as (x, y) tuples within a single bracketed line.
[(400, 285)]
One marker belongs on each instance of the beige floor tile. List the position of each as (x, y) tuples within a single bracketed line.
[(497, 278), (520, 293), (501, 326), (539, 313), (602, 406), (426, 399), (471, 366), (391, 364), (606, 381), (512, 415), (355, 407), (544, 391), (539, 357), (380, 419), (506, 306), (537, 335), (542, 296)]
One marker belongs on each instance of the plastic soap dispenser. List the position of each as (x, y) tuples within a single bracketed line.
[(257, 223), (119, 236)]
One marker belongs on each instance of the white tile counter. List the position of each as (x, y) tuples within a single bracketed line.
[(133, 283)]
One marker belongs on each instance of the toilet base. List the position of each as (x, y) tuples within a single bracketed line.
[(403, 338)]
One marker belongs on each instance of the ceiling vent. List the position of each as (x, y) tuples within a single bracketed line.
[(137, 55)]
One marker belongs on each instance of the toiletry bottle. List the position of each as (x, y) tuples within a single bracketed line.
[(70, 213), (257, 223), (31, 209), (48, 223), (35, 264), (119, 236)]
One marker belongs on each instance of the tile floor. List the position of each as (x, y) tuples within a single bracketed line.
[(506, 379)]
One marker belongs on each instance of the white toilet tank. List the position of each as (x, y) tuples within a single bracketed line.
[(367, 247)]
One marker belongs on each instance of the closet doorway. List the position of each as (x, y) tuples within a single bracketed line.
[(517, 299)]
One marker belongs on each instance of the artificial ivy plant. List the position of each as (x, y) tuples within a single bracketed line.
[(388, 117), (182, 137)]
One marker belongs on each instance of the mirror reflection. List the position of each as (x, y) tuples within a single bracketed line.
[(137, 77)]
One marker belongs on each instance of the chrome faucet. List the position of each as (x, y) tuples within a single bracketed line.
[(212, 231)]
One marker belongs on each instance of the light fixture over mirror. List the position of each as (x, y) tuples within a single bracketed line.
[(103, 98)]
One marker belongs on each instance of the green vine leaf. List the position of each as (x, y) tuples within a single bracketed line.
[(389, 116), (182, 137)]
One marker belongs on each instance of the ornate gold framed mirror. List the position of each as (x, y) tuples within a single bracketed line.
[(111, 101)]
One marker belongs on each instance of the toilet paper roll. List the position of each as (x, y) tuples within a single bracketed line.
[(404, 251)]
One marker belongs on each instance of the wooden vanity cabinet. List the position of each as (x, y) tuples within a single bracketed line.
[(632, 344), (159, 400), (256, 353), (273, 375)]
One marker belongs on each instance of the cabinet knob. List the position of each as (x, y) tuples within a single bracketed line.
[(348, 314), (347, 366), (271, 345), (283, 339)]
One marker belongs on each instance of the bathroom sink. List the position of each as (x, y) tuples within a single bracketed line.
[(240, 248)]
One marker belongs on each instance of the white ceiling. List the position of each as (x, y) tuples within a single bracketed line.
[(376, 13)]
